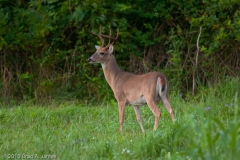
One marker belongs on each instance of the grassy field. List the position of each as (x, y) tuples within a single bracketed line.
[(206, 128)]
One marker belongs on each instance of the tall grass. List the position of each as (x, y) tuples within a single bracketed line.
[(205, 129)]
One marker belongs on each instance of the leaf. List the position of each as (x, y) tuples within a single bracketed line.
[(78, 14), (51, 1), (121, 7), (25, 76), (94, 79)]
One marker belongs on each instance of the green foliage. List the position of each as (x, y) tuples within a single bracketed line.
[(44, 45)]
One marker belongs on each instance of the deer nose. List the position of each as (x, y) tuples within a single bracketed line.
[(90, 60)]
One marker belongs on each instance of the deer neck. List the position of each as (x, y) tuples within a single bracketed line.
[(111, 70)]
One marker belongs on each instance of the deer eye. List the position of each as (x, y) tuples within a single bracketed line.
[(101, 53)]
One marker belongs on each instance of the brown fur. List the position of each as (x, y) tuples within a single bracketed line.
[(133, 89)]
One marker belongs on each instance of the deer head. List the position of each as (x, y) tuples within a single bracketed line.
[(102, 53)]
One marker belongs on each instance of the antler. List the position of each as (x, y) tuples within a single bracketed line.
[(110, 37), (100, 36)]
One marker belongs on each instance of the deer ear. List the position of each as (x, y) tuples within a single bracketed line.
[(110, 48), (97, 47)]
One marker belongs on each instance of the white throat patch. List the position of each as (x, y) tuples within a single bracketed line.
[(103, 65)]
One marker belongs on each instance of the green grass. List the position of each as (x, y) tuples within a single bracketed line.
[(208, 128)]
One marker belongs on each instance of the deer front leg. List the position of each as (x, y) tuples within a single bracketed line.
[(137, 111), (121, 108)]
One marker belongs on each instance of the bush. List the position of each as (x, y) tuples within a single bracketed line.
[(44, 45)]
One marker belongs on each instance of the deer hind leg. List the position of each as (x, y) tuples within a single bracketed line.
[(166, 103), (153, 106), (137, 111), (121, 108)]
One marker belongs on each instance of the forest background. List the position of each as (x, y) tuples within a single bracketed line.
[(44, 45)]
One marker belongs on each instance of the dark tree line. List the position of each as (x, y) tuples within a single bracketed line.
[(44, 44)]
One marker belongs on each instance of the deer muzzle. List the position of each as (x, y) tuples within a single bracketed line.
[(90, 60)]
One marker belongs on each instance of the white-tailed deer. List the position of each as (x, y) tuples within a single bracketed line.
[(130, 88)]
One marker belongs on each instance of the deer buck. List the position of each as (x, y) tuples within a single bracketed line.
[(130, 88)]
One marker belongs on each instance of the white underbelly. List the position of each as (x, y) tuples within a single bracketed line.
[(141, 101)]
